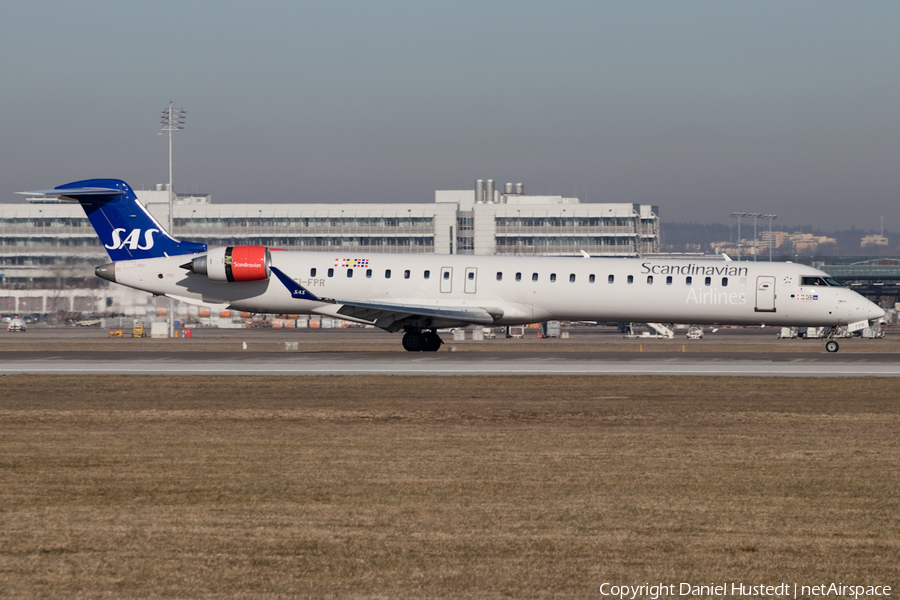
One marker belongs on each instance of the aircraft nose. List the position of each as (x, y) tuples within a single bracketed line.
[(873, 311)]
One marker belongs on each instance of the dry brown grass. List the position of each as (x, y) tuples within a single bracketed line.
[(421, 487)]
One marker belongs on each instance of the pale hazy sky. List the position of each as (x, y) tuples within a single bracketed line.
[(703, 108)]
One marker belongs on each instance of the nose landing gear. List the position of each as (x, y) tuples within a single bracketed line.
[(421, 341)]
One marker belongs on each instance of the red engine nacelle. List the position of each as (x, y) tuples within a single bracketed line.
[(234, 263)]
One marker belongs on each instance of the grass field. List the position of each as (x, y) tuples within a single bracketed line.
[(421, 487)]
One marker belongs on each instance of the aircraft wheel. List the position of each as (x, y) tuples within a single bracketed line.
[(432, 341), (414, 341), (831, 346)]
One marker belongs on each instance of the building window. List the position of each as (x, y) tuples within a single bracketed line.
[(611, 278), (669, 280), (534, 277), (630, 279), (312, 272), (406, 274), (387, 274), (552, 277), (591, 278), (499, 276), (331, 272), (427, 274)]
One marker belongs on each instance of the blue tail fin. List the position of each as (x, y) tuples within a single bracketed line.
[(126, 229)]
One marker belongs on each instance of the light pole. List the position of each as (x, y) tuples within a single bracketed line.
[(769, 218), (755, 246), (172, 120), (739, 215)]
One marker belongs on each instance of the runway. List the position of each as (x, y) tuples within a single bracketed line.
[(813, 364)]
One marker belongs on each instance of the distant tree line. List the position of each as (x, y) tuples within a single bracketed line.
[(699, 237)]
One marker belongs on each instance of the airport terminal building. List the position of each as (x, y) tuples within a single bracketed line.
[(48, 250)]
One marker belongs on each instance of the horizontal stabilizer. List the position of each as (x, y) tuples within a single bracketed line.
[(74, 193)]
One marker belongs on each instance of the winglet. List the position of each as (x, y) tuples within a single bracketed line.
[(296, 290)]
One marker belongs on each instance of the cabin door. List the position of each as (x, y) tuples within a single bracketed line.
[(446, 280), (471, 279), (765, 294)]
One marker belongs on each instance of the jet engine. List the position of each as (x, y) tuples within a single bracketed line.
[(233, 263)]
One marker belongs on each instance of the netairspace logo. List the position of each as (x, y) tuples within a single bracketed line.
[(723, 590)]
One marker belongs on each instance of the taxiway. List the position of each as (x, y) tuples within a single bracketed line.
[(810, 364)]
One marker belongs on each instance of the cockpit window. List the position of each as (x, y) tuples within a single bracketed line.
[(834, 282), (817, 281)]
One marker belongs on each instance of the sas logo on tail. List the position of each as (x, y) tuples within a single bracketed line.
[(132, 240)]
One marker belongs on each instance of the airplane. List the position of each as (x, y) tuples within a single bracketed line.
[(421, 293)]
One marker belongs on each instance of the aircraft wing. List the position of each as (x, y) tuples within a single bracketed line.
[(384, 314), (375, 311)]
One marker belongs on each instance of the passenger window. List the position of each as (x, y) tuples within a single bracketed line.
[(743, 282), (724, 282), (572, 278), (387, 274), (518, 277), (312, 272), (446, 274), (669, 280), (406, 274), (688, 280), (650, 279), (499, 276), (631, 279), (427, 274), (611, 278), (534, 276), (552, 277), (368, 273), (708, 281), (331, 272), (591, 278), (349, 272), (471, 275)]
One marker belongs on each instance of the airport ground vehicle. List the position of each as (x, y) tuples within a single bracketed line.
[(16, 324)]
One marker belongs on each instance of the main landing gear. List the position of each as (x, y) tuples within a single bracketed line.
[(831, 346), (421, 341)]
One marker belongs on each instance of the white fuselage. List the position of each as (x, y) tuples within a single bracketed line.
[(519, 290)]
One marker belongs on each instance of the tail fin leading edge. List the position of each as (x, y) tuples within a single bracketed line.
[(126, 229)]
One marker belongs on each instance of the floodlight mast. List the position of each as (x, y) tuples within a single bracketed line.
[(739, 215), (769, 218), (172, 120)]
